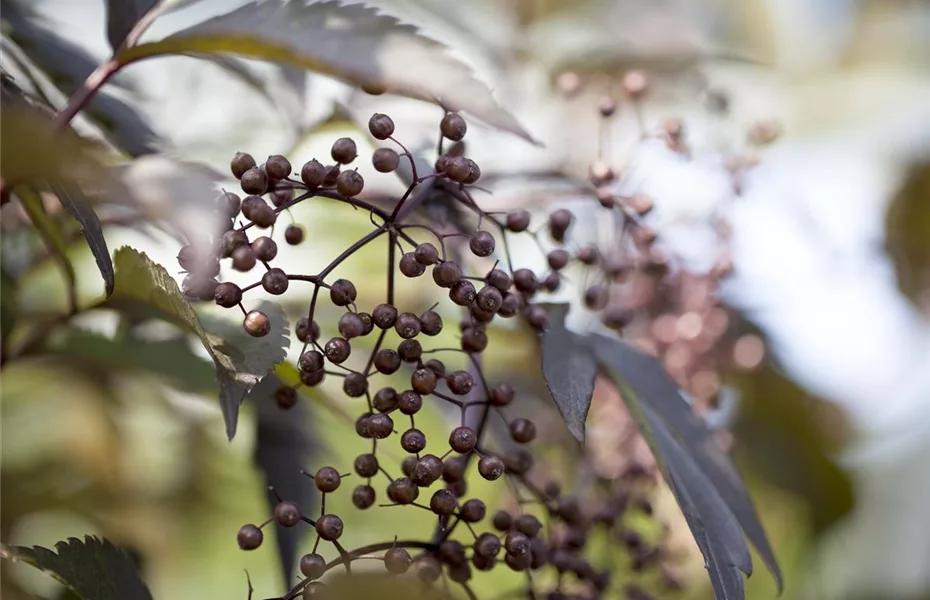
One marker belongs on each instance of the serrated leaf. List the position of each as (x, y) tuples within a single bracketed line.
[(283, 446), (74, 201), (569, 368), (352, 42), (68, 65), (241, 360), (122, 16), (645, 384), (94, 568), (715, 529)]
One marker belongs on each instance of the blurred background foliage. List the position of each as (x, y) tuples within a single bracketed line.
[(110, 424)]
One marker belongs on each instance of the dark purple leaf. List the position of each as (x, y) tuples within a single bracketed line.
[(645, 384), (94, 568), (73, 199), (122, 16), (569, 368), (284, 444)]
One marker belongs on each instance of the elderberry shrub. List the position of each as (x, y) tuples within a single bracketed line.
[(368, 344)]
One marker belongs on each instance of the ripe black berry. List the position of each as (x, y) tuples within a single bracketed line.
[(294, 234), (457, 169), (344, 151), (474, 172), (363, 496), (409, 402), (327, 479), (518, 461), (463, 292), (435, 365), (231, 240), (337, 350), (499, 279), (430, 323), (409, 266), (460, 382), (426, 254), (250, 204), (558, 258), (277, 167), (380, 426), (522, 430), (332, 174), (443, 503), (473, 510), (384, 316), (285, 397), (227, 294), (264, 216), (307, 331), (397, 560), (453, 127), (463, 439), (491, 467), (489, 299), (453, 469), (408, 465), (287, 514), (264, 248), (510, 306), (254, 181), (559, 222), (241, 163), (474, 339), (310, 361), (518, 221), (413, 441), (385, 160), (312, 566), (366, 465), (329, 527), (275, 282), (387, 361), (381, 126), (351, 325), (596, 297), (243, 259), (403, 491), (313, 173), (518, 562), (423, 381), (250, 537), (355, 385), (516, 543), (528, 525), (410, 350), (446, 274), (407, 325), (525, 280), (229, 204), (617, 317), (537, 317), (428, 569), (427, 470), (256, 323), (502, 395), (502, 520), (312, 378), (315, 589), (481, 243), (350, 183), (342, 292)]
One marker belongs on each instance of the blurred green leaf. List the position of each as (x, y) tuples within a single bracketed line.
[(52, 236), (789, 446), (170, 358), (569, 368), (651, 394), (94, 568), (241, 360), (354, 43)]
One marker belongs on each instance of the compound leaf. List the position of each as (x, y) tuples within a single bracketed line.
[(94, 568), (351, 42)]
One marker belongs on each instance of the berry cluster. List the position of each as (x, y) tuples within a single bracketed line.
[(435, 481)]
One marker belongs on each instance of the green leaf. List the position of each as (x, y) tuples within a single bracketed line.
[(172, 359), (353, 43), (122, 16), (569, 368), (94, 568), (648, 389), (51, 234), (284, 446), (241, 360)]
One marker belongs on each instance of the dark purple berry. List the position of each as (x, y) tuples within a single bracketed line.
[(409, 266), (344, 151), (254, 181), (491, 467), (337, 350), (329, 527), (381, 126), (256, 324), (275, 282), (426, 254), (327, 479), (453, 127), (227, 294), (241, 163), (463, 439), (407, 325), (313, 173), (518, 220), (294, 234), (278, 167), (287, 514), (385, 160), (350, 183), (250, 537), (481, 243), (342, 292)]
